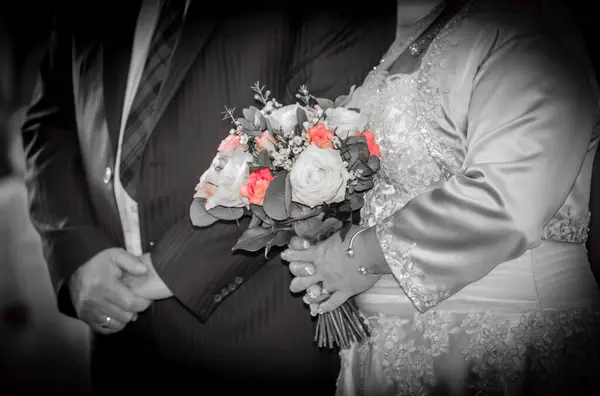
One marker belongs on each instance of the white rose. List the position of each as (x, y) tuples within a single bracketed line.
[(345, 122), (318, 176), (225, 176), (284, 118)]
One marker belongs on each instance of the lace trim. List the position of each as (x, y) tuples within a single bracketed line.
[(409, 275), (494, 353), (566, 227)]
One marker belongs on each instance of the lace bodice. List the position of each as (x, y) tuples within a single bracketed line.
[(457, 138)]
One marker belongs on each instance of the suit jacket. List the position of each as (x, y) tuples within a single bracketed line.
[(32, 332), (74, 121)]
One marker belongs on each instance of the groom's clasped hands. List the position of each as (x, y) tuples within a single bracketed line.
[(327, 273), (110, 289)]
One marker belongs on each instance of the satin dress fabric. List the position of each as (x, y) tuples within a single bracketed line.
[(481, 210)]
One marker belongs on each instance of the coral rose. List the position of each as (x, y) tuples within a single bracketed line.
[(256, 187), (321, 136)]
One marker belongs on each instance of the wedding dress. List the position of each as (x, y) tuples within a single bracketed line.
[(481, 209)]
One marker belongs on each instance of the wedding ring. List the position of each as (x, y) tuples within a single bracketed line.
[(325, 292), (106, 322)]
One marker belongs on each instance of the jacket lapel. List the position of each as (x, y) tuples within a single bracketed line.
[(195, 32), (117, 57)]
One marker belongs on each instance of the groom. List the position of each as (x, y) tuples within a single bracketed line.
[(126, 118)]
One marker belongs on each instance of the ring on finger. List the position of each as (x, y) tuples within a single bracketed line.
[(325, 292), (106, 323)]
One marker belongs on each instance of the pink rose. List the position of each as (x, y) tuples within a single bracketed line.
[(229, 144), (266, 141)]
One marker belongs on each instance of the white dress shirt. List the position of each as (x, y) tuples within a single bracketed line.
[(128, 208)]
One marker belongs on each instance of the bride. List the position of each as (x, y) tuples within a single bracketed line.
[(473, 268)]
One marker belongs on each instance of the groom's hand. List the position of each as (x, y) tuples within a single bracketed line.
[(97, 292), (149, 286)]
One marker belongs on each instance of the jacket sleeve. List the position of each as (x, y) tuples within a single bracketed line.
[(60, 206)]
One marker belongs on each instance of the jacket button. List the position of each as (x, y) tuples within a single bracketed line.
[(107, 175), (239, 280), (218, 298), (232, 287)]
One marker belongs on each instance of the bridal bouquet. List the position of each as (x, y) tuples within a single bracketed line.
[(300, 169)]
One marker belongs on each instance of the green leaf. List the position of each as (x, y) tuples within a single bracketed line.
[(255, 221), (363, 184), (224, 213), (269, 126), (249, 113), (374, 163), (281, 238), (198, 214), (325, 103), (356, 201), (302, 212), (246, 124), (254, 239), (301, 116), (306, 228), (259, 212), (263, 159), (324, 230), (278, 198), (356, 150)]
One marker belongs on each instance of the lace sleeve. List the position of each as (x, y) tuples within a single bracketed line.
[(530, 119)]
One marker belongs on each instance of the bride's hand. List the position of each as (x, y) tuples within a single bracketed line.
[(328, 263)]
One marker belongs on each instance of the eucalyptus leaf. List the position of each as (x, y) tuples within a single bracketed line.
[(355, 152), (278, 198), (198, 214), (269, 126), (355, 139), (362, 169), (224, 213), (363, 185), (246, 124), (281, 238), (255, 221), (325, 103), (356, 201), (306, 228), (251, 132), (301, 212), (263, 159), (254, 239), (325, 229), (374, 163), (259, 212), (249, 113), (301, 116), (259, 121)]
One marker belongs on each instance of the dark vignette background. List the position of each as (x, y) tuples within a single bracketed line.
[(49, 355)]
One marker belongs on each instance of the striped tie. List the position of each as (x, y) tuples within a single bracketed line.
[(137, 128)]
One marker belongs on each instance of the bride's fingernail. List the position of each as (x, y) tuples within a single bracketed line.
[(306, 300), (321, 311), (310, 270), (305, 244)]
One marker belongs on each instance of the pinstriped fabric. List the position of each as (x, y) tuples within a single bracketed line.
[(138, 124)]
